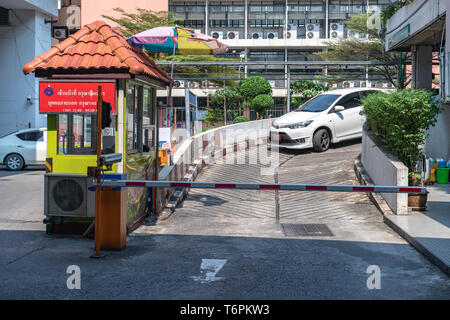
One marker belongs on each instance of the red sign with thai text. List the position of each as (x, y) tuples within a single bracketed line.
[(74, 97)]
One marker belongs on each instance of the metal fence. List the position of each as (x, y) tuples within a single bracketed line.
[(210, 76)]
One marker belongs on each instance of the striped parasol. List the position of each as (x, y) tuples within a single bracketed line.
[(177, 40)]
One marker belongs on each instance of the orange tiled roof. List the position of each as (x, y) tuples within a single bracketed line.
[(96, 48)]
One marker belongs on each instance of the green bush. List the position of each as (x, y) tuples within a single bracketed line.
[(400, 119), (261, 103), (240, 119), (254, 86)]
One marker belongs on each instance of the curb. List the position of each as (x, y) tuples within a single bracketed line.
[(383, 207), (418, 246)]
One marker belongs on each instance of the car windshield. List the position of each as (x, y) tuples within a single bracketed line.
[(319, 103)]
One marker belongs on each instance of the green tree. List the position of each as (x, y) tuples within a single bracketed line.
[(303, 90), (143, 19), (133, 23), (258, 94), (261, 103), (253, 86), (370, 49), (228, 99)]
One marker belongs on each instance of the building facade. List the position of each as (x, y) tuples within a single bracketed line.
[(422, 29), (273, 31), (25, 32)]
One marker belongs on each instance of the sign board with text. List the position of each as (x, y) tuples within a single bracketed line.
[(74, 97)]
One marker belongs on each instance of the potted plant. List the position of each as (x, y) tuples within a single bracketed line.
[(400, 120), (416, 201)]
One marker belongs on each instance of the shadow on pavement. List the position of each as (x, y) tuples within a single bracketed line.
[(333, 146), (5, 172), (33, 266)]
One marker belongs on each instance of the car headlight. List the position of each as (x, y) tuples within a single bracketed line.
[(300, 124)]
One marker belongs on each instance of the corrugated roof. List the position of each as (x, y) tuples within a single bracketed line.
[(96, 48)]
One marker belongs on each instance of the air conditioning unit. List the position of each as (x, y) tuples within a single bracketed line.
[(349, 84), (291, 32), (68, 195), (312, 31), (217, 35), (272, 83), (272, 35), (257, 35), (232, 35), (193, 84), (60, 32), (336, 30), (365, 84), (178, 84), (373, 9)]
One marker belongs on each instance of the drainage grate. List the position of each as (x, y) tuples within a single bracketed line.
[(306, 230)]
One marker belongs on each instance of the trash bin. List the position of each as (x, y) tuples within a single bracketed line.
[(442, 175)]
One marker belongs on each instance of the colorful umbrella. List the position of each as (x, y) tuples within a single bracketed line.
[(177, 40)]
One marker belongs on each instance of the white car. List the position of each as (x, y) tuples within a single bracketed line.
[(330, 117), (23, 148)]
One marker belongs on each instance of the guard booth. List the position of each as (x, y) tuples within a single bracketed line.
[(71, 72)]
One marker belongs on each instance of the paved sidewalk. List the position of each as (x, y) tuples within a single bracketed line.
[(428, 231)]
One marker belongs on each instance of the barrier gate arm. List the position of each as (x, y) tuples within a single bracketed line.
[(263, 186)]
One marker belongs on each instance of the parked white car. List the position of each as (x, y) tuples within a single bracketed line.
[(23, 148), (330, 117)]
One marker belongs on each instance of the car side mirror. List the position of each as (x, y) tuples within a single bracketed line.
[(339, 108)]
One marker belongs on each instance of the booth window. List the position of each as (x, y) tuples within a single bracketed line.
[(134, 118), (77, 134), (148, 122)]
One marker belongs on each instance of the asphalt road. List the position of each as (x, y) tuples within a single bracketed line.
[(219, 246)]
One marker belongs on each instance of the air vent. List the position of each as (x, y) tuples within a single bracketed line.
[(257, 35), (233, 35), (217, 35), (68, 195), (272, 35), (60, 32), (178, 84), (306, 230)]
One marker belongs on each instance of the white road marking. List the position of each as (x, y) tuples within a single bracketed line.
[(208, 270)]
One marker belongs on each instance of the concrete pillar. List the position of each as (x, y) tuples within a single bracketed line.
[(422, 67), (206, 16), (246, 19)]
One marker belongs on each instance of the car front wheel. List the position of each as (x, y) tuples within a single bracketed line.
[(14, 162), (321, 140)]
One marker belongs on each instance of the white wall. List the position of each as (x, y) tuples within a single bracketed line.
[(26, 37), (437, 144), (385, 170), (418, 20)]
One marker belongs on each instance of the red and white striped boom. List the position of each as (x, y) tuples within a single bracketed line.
[(262, 186)]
